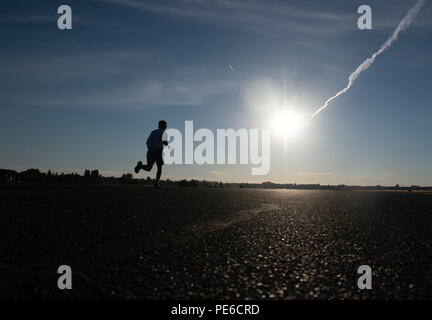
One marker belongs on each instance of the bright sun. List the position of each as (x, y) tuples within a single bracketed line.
[(287, 123)]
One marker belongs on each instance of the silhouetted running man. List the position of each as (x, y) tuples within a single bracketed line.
[(155, 142)]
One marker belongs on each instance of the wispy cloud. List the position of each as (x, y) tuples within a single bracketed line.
[(103, 80), (147, 94), (272, 16), (21, 18), (263, 16), (214, 9), (32, 18)]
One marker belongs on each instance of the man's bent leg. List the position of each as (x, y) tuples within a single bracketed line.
[(159, 173), (147, 167), (150, 161)]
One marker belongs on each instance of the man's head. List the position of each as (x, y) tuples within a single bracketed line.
[(162, 125)]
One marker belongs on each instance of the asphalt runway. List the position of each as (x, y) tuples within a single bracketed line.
[(133, 242)]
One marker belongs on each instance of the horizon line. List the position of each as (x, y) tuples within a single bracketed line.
[(264, 183)]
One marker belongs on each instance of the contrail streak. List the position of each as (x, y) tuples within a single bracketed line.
[(405, 23)]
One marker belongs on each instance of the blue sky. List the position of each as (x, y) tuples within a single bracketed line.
[(88, 97)]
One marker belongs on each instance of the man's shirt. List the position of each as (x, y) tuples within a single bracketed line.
[(155, 139)]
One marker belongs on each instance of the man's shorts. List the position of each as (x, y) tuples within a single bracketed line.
[(154, 155)]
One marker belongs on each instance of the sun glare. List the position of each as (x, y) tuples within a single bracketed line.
[(287, 123)]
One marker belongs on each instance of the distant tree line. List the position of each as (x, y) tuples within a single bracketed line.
[(90, 177), (94, 177), (35, 175)]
